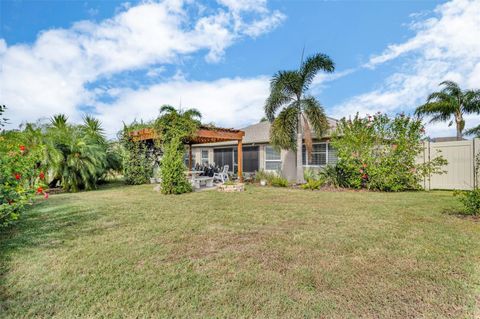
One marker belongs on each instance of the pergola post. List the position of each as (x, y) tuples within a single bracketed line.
[(240, 160), (189, 157)]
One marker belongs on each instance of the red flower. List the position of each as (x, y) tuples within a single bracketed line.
[(42, 175), (22, 148), (45, 195), (39, 190), (17, 176), (365, 176)]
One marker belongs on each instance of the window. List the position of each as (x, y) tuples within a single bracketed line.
[(273, 161), (204, 159), (322, 154)]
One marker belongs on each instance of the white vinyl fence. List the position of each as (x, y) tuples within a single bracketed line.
[(461, 169)]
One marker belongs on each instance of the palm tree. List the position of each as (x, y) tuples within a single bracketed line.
[(177, 123), (76, 153), (298, 111), (451, 101)]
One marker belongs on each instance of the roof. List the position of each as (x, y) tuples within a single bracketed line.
[(205, 134), (260, 133)]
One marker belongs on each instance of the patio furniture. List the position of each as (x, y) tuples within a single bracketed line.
[(197, 182), (222, 176)]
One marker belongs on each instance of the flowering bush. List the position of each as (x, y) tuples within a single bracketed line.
[(21, 177), (379, 153)]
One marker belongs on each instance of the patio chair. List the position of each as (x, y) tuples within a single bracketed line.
[(222, 176)]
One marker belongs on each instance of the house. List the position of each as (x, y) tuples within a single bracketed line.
[(258, 154)]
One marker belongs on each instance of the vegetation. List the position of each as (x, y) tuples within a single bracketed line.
[(298, 111), (174, 180), (22, 176), (450, 102), (272, 178), (173, 123), (471, 198), (137, 161), (257, 253), (175, 127), (379, 153), (3, 120)]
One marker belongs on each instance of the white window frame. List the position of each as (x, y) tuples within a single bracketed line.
[(272, 161), (326, 155)]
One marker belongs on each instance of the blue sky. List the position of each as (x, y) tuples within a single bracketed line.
[(121, 61)]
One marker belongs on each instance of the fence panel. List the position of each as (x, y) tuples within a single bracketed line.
[(460, 168)]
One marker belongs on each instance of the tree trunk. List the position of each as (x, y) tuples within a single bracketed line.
[(300, 179), (460, 124)]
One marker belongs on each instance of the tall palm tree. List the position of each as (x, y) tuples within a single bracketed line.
[(450, 102), (299, 111)]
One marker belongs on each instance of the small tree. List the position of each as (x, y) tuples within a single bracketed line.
[(172, 170), (380, 153)]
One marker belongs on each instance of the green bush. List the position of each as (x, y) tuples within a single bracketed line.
[(137, 166), (470, 201), (279, 181), (22, 176), (333, 176), (379, 153), (313, 184), (172, 170)]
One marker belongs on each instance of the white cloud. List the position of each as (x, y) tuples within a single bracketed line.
[(445, 47), (52, 74), (221, 101)]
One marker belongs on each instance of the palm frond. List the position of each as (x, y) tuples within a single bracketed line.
[(193, 114), (451, 88), (307, 135), (276, 100), (288, 82), (284, 128), (312, 65), (444, 108), (167, 109), (315, 115), (473, 131), (59, 121), (472, 101)]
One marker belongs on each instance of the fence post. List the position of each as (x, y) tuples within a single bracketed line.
[(429, 175), (474, 164)]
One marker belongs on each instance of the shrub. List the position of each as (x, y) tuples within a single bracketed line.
[(172, 170), (379, 153), (279, 181), (470, 201), (272, 178), (333, 176), (137, 166), (22, 176), (313, 184)]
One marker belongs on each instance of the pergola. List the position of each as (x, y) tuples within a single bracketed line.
[(204, 135)]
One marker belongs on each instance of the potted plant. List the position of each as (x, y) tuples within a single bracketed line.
[(262, 177)]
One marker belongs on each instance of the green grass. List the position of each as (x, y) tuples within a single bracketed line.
[(268, 252)]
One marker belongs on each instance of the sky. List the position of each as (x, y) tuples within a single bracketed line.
[(121, 61)]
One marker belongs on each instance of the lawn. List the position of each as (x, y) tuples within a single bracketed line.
[(268, 252)]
